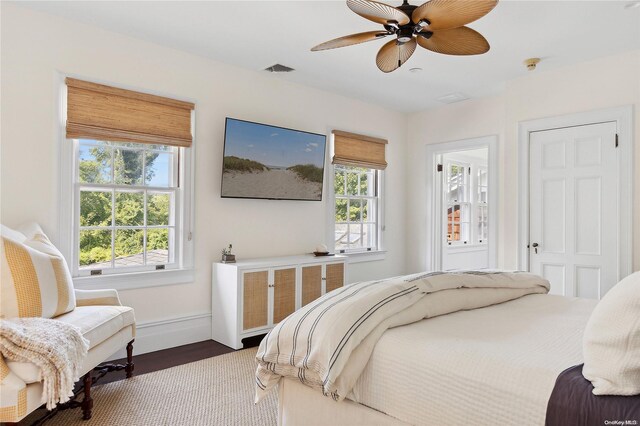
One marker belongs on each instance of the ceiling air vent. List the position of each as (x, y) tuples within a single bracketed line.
[(452, 98), (279, 68)]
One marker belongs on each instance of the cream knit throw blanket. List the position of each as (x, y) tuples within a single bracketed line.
[(57, 348)]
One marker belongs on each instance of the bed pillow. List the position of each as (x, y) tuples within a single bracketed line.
[(612, 341), (36, 281)]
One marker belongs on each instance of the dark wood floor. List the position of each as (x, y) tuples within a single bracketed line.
[(159, 360)]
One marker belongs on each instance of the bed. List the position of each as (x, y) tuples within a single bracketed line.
[(493, 365), (471, 347)]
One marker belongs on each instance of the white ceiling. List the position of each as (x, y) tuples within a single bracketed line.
[(257, 34)]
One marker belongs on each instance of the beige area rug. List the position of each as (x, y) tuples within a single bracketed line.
[(213, 391)]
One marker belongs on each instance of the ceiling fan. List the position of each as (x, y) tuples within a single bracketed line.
[(437, 25)]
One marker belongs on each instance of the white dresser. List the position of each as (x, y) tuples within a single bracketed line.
[(251, 296)]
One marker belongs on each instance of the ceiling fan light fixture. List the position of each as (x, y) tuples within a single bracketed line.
[(405, 35)]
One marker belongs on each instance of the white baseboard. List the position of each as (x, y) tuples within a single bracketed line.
[(153, 336)]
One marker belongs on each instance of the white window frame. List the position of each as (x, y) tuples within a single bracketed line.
[(356, 256), (68, 191), (466, 204), (114, 188), (479, 203), (471, 204)]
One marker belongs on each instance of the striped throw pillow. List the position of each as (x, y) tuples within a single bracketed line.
[(36, 281)]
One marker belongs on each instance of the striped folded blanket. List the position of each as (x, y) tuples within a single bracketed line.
[(327, 343)]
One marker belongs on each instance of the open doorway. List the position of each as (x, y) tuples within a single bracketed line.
[(465, 209), (463, 204)]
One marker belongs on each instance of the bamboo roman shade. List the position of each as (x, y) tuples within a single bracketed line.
[(108, 113), (350, 149)]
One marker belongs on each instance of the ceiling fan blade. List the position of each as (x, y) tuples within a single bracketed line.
[(378, 12), (456, 41), (446, 14), (392, 55), (350, 40)]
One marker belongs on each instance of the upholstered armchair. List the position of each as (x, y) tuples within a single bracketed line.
[(103, 321), (35, 282)]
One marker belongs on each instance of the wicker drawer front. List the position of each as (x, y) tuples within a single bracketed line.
[(311, 283), (284, 293), (255, 300), (335, 276)]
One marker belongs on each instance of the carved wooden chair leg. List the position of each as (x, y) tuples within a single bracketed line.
[(87, 402), (130, 365)]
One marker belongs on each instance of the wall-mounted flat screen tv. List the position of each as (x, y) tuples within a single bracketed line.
[(262, 161)]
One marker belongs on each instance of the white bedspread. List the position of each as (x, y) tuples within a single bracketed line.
[(489, 366), (327, 343)]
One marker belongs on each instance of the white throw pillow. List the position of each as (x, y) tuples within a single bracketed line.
[(612, 341), (35, 279)]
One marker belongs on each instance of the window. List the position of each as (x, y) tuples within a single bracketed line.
[(482, 205), (356, 209), (457, 197), (356, 213), (126, 187), (128, 206), (466, 192)]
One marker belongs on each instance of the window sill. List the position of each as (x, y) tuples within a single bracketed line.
[(365, 256), (135, 280)]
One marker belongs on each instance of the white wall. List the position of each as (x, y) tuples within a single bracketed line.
[(35, 47), (602, 83)]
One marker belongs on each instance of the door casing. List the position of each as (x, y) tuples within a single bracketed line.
[(623, 117), (434, 235)]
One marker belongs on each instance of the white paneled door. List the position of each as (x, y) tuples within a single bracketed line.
[(573, 209)]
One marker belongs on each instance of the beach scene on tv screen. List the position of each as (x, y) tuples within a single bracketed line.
[(263, 161)]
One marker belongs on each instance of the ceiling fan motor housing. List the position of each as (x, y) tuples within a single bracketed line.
[(406, 32)]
